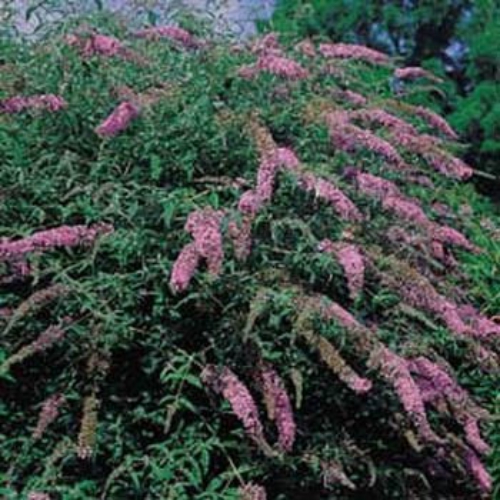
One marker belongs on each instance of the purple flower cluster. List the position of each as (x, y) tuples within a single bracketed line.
[(118, 120), (396, 371), (348, 137), (278, 400), (42, 102), (95, 44), (36, 495), (479, 471), (352, 262), (351, 51), (225, 382), (331, 194), (204, 227), (383, 118), (414, 73), (49, 412), (306, 48), (436, 121), (63, 236), (252, 491)]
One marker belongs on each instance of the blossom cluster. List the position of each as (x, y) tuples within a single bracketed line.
[(43, 102), (118, 120), (62, 236), (49, 412), (414, 73), (224, 381), (351, 260), (204, 227), (279, 406), (351, 51)]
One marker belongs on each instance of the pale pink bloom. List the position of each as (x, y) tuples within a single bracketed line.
[(47, 338), (381, 117), (406, 209), (352, 262), (473, 435), (480, 326), (282, 66), (446, 234), (184, 268), (353, 97), (396, 371), (332, 195), (376, 187), (118, 120), (332, 310), (414, 73), (306, 48), (45, 102), (348, 51), (250, 202), (478, 470), (63, 236), (204, 227), (174, 33), (36, 495), (49, 412), (103, 45), (441, 161), (252, 491), (241, 236), (267, 44), (275, 392), (333, 473), (436, 121), (248, 72), (224, 381), (350, 138), (269, 167)]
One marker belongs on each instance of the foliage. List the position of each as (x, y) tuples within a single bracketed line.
[(456, 37), (144, 411)]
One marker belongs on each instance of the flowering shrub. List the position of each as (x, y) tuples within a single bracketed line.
[(254, 279)]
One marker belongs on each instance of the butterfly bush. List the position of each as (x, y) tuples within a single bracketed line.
[(353, 97), (276, 65), (349, 138), (279, 403), (252, 491), (63, 236), (36, 495), (332, 195), (49, 413), (414, 73), (381, 117), (436, 121), (224, 381), (351, 51), (479, 472), (42, 102), (118, 120), (351, 260)]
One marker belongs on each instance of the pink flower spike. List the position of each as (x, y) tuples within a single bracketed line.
[(44, 102), (204, 226), (252, 491), (184, 268), (50, 411), (36, 495), (282, 66), (118, 120), (348, 51), (275, 392), (224, 381), (63, 236), (352, 262), (415, 72), (479, 472)]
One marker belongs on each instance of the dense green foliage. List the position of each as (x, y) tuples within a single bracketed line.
[(420, 33), (129, 364)]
